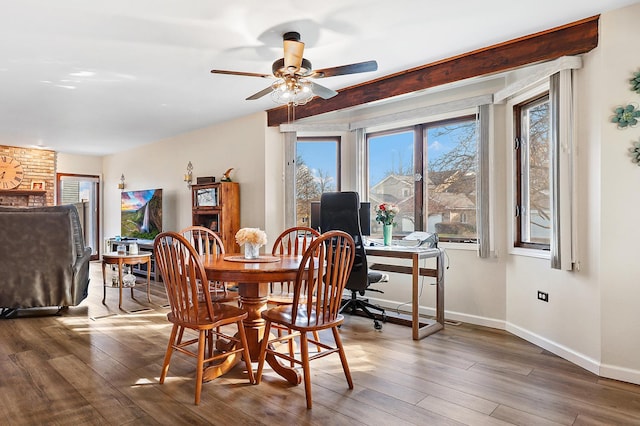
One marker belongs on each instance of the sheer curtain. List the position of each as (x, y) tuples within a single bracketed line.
[(562, 170), (483, 203)]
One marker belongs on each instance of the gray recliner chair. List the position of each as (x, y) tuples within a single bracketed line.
[(43, 259)]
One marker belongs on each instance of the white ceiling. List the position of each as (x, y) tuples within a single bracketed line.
[(91, 77)]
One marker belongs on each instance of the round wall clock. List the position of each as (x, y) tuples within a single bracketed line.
[(11, 172)]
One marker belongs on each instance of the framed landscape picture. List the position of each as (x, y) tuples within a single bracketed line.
[(141, 214)]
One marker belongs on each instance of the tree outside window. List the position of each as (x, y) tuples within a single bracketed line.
[(436, 193), (317, 165), (533, 210)]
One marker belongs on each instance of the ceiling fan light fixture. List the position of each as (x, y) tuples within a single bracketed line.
[(291, 91)]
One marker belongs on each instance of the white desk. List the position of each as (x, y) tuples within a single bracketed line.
[(415, 254)]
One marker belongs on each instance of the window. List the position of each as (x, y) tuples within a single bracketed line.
[(317, 171), (390, 156), (83, 191), (429, 171), (532, 165)]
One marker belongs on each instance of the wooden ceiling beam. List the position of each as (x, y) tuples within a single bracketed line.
[(570, 39)]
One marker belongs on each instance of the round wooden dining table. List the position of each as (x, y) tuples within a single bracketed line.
[(253, 278)]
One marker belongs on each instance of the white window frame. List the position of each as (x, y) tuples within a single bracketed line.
[(562, 174), (531, 93)]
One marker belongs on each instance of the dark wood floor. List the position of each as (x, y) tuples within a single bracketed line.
[(96, 365)]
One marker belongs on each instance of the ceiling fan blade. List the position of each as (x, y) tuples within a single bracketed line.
[(246, 74), (346, 69), (323, 92), (260, 94), (293, 50)]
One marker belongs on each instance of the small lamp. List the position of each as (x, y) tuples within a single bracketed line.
[(188, 177), (121, 184)]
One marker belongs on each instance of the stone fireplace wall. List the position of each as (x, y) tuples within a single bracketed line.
[(39, 166)]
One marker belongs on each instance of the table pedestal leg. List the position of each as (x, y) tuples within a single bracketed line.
[(218, 370), (253, 302), (253, 298)]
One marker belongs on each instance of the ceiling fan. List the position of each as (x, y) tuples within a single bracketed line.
[(293, 73)]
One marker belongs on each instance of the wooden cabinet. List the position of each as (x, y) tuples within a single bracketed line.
[(217, 207)]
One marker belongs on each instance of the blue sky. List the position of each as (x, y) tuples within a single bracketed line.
[(319, 156)]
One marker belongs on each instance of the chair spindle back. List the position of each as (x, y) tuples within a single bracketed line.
[(318, 289), (181, 269)]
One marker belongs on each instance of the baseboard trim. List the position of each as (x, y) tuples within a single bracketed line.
[(602, 370), (562, 351), (405, 308), (620, 373)]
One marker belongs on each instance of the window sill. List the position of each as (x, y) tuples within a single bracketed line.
[(458, 246), (540, 254)]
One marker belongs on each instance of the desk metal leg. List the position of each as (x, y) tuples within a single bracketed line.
[(417, 331), (440, 289), (420, 332), (415, 301)]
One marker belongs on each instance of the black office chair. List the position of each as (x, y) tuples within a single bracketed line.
[(339, 211)]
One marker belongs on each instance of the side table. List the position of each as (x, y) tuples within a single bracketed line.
[(113, 258)]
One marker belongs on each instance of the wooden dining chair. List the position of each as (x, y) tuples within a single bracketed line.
[(324, 271), (293, 241), (207, 243), (181, 270)]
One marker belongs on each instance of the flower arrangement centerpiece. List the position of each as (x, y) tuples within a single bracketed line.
[(385, 214), (252, 239)]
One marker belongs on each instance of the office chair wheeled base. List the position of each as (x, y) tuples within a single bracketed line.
[(354, 304)]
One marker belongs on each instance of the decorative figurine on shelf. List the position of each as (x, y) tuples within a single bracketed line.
[(226, 176)]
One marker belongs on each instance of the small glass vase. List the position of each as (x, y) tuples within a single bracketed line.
[(387, 231), (251, 251)]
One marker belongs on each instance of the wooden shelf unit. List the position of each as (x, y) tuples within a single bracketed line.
[(217, 207)]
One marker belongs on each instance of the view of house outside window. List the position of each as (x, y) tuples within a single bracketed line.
[(317, 165), (448, 181), (391, 178)]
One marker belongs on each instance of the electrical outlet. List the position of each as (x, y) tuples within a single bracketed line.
[(543, 296)]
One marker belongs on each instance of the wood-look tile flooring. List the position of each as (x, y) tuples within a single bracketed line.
[(94, 364)]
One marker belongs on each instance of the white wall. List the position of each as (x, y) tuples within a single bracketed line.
[(619, 183), (78, 164), (239, 144), (591, 317)]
